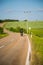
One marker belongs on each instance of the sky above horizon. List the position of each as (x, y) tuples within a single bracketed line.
[(21, 9)]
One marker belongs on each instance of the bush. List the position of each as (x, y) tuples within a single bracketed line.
[(1, 30), (11, 29), (17, 29), (1, 21), (24, 30), (14, 29)]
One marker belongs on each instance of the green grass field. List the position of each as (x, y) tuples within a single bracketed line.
[(37, 47), (37, 32), (23, 24), (37, 39)]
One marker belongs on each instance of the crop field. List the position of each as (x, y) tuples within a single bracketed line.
[(23, 24), (37, 38)]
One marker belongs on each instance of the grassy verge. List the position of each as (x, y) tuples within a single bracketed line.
[(3, 35), (37, 32), (37, 47)]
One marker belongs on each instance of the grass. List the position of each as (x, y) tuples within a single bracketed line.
[(3, 35), (37, 32), (23, 24), (37, 47)]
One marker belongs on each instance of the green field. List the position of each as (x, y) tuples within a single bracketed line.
[(37, 32), (37, 39), (23, 24), (37, 47)]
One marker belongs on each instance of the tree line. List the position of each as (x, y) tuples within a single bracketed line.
[(8, 20)]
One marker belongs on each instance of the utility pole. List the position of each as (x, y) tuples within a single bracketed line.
[(26, 12)]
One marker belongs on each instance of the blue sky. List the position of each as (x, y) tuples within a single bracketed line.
[(17, 9)]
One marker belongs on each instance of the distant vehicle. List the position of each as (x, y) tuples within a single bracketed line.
[(21, 31)]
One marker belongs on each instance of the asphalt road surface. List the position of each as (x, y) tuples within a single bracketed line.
[(13, 49)]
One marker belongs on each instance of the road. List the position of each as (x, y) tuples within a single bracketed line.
[(14, 49)]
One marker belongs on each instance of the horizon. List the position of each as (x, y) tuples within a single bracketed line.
[(21, 9), (21, 19)]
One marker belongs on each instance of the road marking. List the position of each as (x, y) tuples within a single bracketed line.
[(28, 53), (2, 46)]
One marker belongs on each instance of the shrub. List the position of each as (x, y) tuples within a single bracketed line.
[(1, 21), (17, 29), (11, 29), (1, 30), (14, 29), (24, 30)]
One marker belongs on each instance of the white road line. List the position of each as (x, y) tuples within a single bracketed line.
[(29, 51), (2, 46)]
